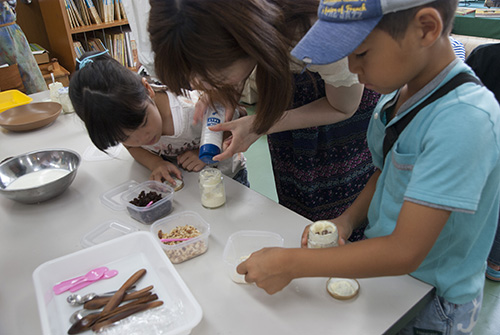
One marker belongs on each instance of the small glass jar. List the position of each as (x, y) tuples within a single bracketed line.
[(323, 234), (213, 194)]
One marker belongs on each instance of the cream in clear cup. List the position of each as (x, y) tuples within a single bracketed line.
[(323, 234), (213, 194)]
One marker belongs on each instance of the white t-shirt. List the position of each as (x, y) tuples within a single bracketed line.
[(187, 136)]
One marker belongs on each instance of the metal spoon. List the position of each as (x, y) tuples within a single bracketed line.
[(79, 314), (77, 299)]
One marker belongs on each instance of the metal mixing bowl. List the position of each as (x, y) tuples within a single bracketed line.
[(13, 168)]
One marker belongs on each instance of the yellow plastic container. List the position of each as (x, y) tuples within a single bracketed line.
[(13, 98)]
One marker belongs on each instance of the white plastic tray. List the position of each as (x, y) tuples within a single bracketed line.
[(127, 254)]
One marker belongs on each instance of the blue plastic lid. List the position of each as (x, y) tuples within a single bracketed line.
[(207, 152)]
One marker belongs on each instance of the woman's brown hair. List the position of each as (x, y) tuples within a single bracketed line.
[(200, 37)]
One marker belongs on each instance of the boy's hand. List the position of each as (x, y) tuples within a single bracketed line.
[(164, 171), (267, 268), (190, 161), (305, 236), (344, 229)]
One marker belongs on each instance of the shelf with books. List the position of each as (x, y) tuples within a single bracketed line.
[(93, 27), (71, 21), (118, 41)]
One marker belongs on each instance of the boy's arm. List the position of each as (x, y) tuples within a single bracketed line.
[(160, 168), (399, 253), (355, 215)]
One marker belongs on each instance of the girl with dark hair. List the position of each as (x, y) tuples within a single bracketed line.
[(118, 106), (316, 118)]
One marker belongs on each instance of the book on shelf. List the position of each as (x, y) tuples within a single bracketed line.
[(93, 11), (131, 48), (40, 53), (464, 10), (487, 12), (116, 6), (79, 50), (87, 12), (95, 44), (135, 53)]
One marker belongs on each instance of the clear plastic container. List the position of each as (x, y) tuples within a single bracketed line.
[(185, 250), (127, 254), (149, 213), (242, 244), (107, 231)]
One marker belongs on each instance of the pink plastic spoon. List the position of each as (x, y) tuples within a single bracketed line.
[(108, 274), (92, 275)]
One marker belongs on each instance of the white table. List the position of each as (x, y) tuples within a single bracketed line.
[(33, 234)]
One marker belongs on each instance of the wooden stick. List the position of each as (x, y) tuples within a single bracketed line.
[(134, 309), (117, 298), (99, 302)]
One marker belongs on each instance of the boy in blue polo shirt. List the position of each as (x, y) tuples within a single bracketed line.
[(432, 205)]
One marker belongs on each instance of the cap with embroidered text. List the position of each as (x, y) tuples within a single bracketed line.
[(342, 25)]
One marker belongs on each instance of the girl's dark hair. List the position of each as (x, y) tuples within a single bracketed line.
[(108, 97), (199, 37), (395, 24)]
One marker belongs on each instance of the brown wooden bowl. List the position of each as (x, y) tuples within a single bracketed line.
[(31, 116)]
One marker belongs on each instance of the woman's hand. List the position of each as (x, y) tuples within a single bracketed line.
[(190, 161), (164, 171), (242, 136), (202, 105)]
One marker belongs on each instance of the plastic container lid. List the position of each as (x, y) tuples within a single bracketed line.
[(105, 232), (113, 197)]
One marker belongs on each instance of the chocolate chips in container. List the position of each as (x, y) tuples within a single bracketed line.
[(149, 201)]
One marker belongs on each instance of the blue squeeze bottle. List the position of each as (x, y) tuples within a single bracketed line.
[(211, 141)]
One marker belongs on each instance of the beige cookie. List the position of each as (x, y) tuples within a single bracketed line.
[(179, 184)]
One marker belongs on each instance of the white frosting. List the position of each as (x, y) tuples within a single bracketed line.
[(341, 287), (322, 234), (36, 179)]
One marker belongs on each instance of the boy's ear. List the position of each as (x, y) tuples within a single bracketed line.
[(148, 87), (430, 25)]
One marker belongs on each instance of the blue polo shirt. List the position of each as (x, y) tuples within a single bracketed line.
[(448, 157)]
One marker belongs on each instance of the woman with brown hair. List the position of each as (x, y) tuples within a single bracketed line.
[(315, 122)]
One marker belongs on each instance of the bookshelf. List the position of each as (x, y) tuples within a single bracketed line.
[(61, 31)]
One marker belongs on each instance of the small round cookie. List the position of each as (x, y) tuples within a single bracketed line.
[(179, 184)]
